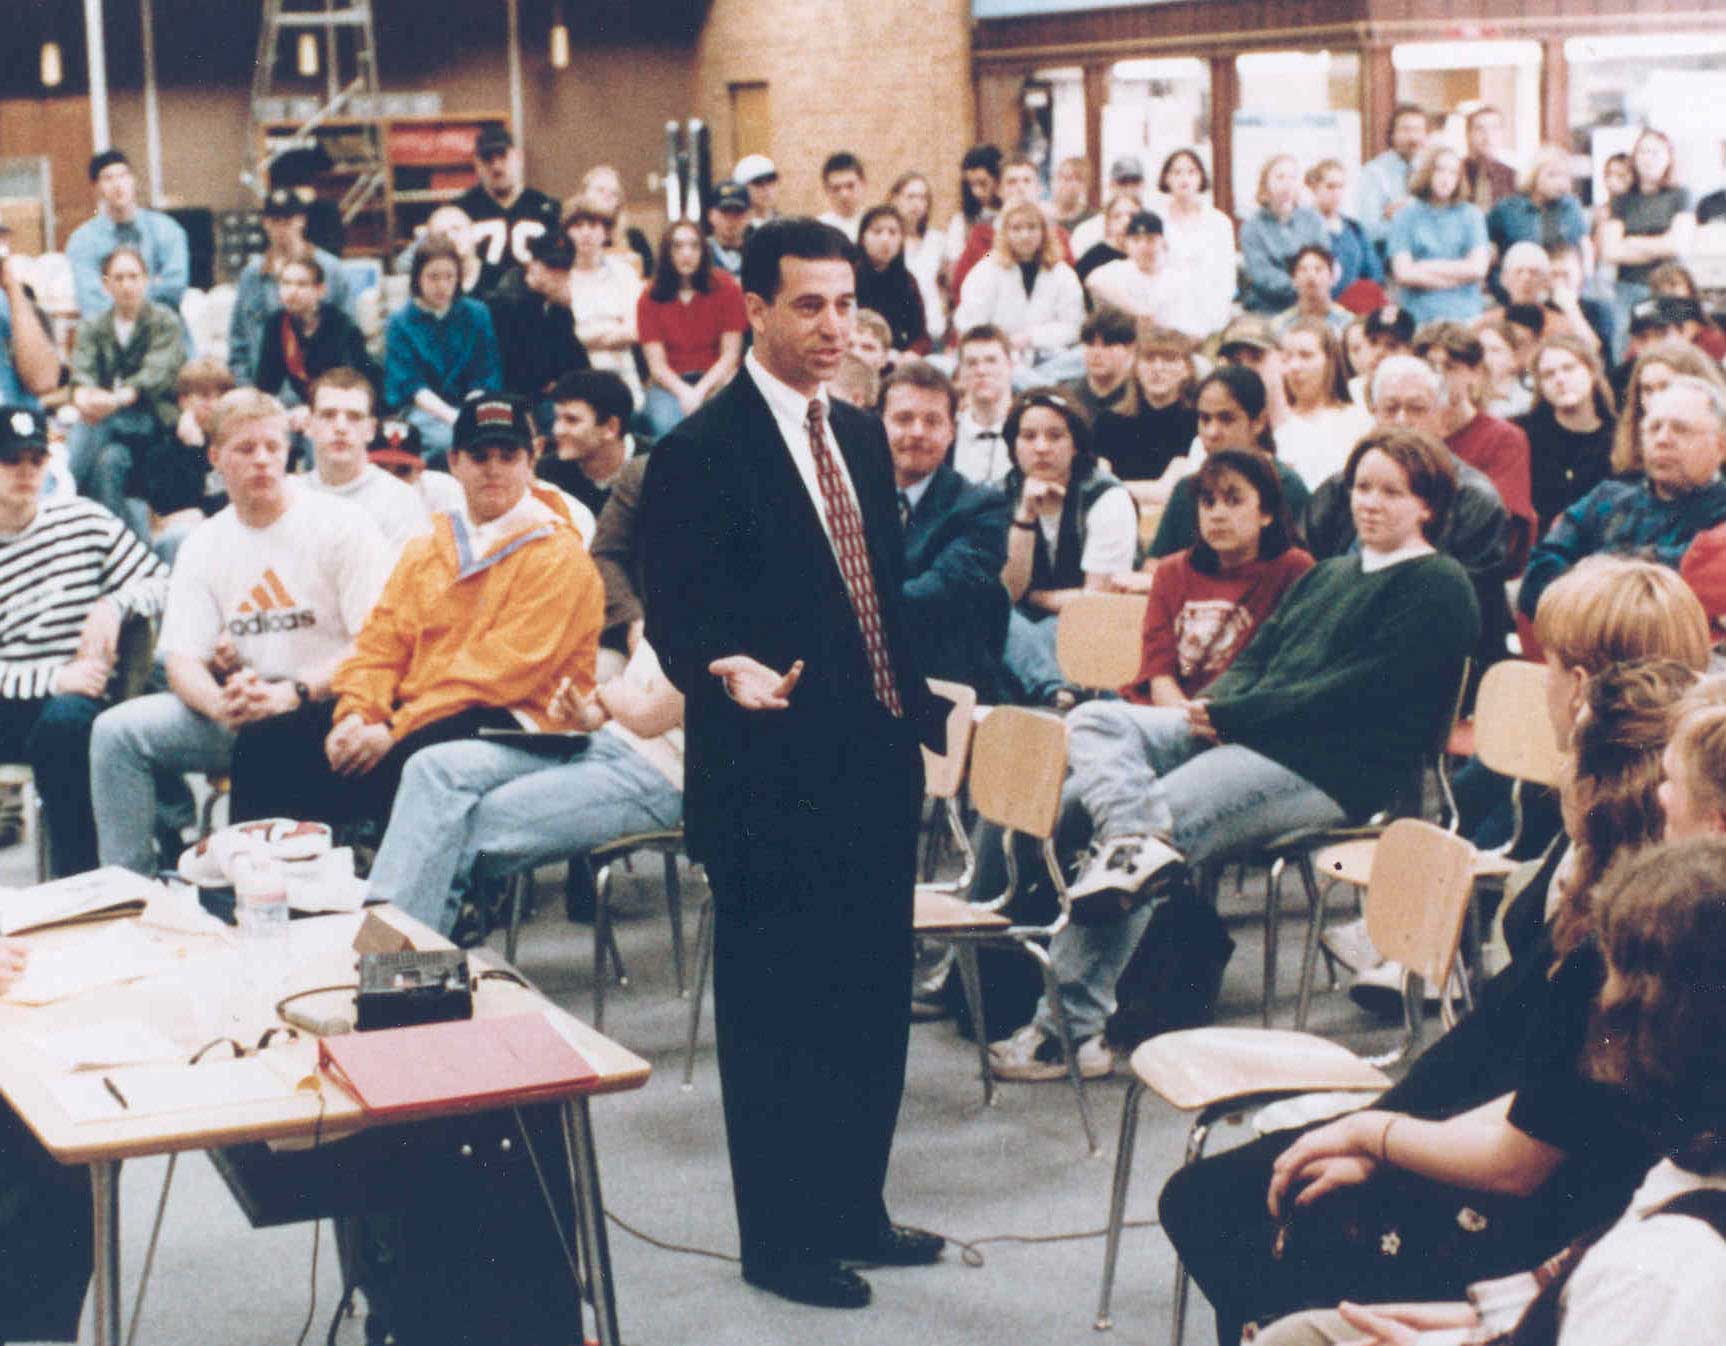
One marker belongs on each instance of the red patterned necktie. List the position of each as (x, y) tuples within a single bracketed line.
[(846, 526)]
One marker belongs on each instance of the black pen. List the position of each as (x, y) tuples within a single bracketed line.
[(114, 1089)]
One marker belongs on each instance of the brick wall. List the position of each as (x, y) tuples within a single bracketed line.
[(889, 80)]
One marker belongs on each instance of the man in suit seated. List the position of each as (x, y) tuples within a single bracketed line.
[(955, 536)]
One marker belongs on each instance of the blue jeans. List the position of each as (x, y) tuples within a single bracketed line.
[(101, 459), (1033, 672), (475, 809), (435, 436), (53, 735), (1138, 770), (663, 412), (129, 745)]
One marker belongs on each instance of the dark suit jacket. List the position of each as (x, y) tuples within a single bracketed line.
[(955, 604), (615, 550), (736, 562)]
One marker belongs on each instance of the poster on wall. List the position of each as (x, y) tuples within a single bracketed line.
[(1308, 136)]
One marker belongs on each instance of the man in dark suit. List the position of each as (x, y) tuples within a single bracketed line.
[(955, 536), (772, 588)]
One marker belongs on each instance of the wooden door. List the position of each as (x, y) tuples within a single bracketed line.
[(58, 128), (751, 126)]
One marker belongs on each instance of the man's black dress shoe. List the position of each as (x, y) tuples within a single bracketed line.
[(826, 1285), (898, 1246)]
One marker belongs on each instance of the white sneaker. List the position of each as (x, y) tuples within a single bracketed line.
[(1123, 873), (1378, 990), (1349, 945), (1032, 1054)]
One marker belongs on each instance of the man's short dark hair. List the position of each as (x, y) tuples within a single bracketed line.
[(921, 374), (1110, 325), (986, 332), (602, 390), (344, 379), (1402, 110), (1315, 250), (106, 159), (797, 236), (1454, 339), (843, 161)]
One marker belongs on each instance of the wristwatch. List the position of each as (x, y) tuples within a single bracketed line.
[(304, 692)]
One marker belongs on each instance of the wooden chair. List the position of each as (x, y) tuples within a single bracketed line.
[(1099, 641), (1415, 904), (1512, 736)]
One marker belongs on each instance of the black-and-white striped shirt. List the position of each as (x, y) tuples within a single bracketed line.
[(73, 553)]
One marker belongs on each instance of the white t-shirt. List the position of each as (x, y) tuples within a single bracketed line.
[(394, 506), (290, 597), (441, 492), (1111, 533), (1317, 445)]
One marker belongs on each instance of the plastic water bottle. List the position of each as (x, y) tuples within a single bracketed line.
[(260, 898)]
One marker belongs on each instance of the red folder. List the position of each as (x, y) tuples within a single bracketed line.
[(465, 1065)]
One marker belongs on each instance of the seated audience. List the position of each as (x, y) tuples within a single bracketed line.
[(70, 573), (955, 608), (1650, 1053), (1681, 493), (178, 482), (602, 186), (1230, 409), (1273, 236), (885, 284), (1021, 183), (728, 227), (1070, 199), (604, 292), (924, 249), (438, 349), (454, 224), (1477, 531), (125, 363), (1314, 274), (1651, 372), (478, 626), (1320, 718), (1253, 342), (1704, 570), (1074, 527), (1352, 252), (1437, 244), (1112, 245), (981, 452), (979, 199), (843, 181), (29, 359), (590, 439), (1653, 322), (532, 316), (1383, 189), (306, 338), (1543, 209), (1142, 284), (1507, 394), (1489, 445), (1166, 424), (1025, 289), (1672, 280), (1126, 178), (1650, 223), (264, 603), (1571, 272), (871, 340), (120, 221), (342, 409), (1199, 248), (1504, 1076), (856, 382), (473, 810), (1535, 297), (257, 294), (1569, 427), (760, 178), (398, 450), (616, 550), (1322, 424), (1486, 178), (690, 324), (1386, 331), (508, 217), (1107, 391)]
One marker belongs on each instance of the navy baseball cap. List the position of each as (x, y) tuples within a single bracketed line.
[(21, 431), (493, 418)]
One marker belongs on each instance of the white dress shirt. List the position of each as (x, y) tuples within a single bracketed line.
[(980, 452), (790, 410)]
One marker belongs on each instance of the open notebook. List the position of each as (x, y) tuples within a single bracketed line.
[(95, 895)]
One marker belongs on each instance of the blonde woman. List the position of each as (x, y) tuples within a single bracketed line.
[(1024, 288)]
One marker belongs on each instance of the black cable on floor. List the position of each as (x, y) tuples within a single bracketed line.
[(969, 1252)]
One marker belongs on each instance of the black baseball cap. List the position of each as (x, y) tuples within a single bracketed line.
[(493, 418), (283, 204), (731, 196), (1666, 311), (21, 431), (1391, 321), (1144, 222), (398, 444), (493, 139), (553, 249)]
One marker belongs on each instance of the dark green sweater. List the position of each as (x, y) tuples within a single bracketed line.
[(1353, 676)]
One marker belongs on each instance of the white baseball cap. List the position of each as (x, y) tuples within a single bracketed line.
[(753, 168)]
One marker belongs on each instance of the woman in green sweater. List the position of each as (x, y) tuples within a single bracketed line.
[(1319, 720)]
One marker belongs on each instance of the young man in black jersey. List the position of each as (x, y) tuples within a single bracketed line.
[(507, 216)]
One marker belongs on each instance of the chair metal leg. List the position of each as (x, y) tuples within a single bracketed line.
[(1196, 1138), (703, 966), (518, 888), (674, 910), (1118, 1199), (1052, 990), (602, 939), (965, 951), (1273, 924), (36, 823), (1314, 927)]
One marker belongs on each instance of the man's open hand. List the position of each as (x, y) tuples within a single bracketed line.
[(753, 685)]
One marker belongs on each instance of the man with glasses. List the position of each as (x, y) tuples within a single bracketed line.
[(1657, 517), (478, 626), (507, 215)]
